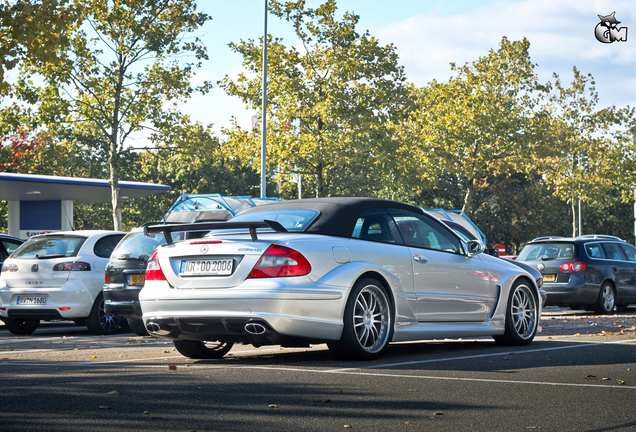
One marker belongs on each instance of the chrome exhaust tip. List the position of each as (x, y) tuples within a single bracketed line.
[(154, 328), (255, 329)]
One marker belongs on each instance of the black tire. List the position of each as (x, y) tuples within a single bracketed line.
[(522, 314), (606, 300), (137, 326), (19, 326), (202, 350), (368, 323), (99, 322)]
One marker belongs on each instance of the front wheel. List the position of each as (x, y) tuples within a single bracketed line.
[(202, 350), (606, 300), (368, 323), (19, 326), (99, 322), (522, 315)]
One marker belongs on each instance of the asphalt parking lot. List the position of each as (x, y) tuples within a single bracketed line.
[(578, 375)]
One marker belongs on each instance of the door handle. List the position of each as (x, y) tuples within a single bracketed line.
[(420, 258)]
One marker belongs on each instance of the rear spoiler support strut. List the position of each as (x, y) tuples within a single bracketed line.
[(167, 230)]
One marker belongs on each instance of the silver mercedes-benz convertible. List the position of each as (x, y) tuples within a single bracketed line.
[(356, 273)]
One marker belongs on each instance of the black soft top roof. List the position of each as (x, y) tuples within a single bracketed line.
[(338, 216)]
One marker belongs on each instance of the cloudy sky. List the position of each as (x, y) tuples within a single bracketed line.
[(431, 34)]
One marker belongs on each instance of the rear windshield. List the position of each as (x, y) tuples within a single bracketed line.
[(49, 247), (547, 251), (291, 219), (136, 245)]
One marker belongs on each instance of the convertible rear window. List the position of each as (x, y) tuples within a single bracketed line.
[(49, 247), (547, 251), (291, 219)]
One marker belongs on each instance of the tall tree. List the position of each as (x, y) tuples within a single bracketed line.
[(485, 121), (329, 101), (593, 147), (124, 70)]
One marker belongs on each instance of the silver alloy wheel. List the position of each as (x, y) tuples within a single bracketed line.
[(607, 294), (524, 312), (372, 318), (108, 322)]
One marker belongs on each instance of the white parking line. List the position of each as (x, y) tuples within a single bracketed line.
[(386, 365)]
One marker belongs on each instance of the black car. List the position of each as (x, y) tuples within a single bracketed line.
[(592, 272), (125, 277), (7, 245)]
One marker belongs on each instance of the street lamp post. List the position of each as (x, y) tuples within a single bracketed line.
[(264, 114)]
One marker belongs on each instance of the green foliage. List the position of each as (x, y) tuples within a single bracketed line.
[(484, 122), (33, 31), (330, 103), (121, 73)]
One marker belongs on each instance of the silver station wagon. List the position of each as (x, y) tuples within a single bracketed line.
[(356, 273)]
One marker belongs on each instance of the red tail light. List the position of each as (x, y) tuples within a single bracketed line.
[(280, 261), (9, 268), (574, 266), (72, 266), (106, 278), (153, 271)]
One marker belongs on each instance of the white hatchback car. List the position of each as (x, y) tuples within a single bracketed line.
[(58, 276)]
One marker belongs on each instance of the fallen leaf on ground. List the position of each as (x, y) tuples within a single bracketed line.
[(607, 379), (590, 377), (114, 393), (273, 406), (326, 401), (172, 367), (621, 382), (104, 407), (438, 413)]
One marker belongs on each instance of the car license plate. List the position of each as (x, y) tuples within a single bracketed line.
[(32, 300), (136, 279), (206, 267), (549, 278)]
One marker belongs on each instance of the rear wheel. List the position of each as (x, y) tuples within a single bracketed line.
[(368, 323), (202, 349), (606, 300), (99, 322), (522, 316), (19, 326), (137, 326)]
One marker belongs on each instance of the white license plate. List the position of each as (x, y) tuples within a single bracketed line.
[(32, 300), (206, 267)]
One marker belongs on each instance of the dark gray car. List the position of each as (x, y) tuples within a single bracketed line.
[(592, 272)]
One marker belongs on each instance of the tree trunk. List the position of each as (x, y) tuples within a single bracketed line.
[(573, 218), (320, 181), (468, 197), (114, 183)]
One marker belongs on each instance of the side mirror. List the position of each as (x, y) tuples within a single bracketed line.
[(475, 247)]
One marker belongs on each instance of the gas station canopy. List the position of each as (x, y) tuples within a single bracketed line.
[(38, 203), (29, 187)]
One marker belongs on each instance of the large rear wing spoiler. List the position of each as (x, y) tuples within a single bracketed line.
[(168, 229)]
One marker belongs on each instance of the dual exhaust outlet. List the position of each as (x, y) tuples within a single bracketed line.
[(252, 328)]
